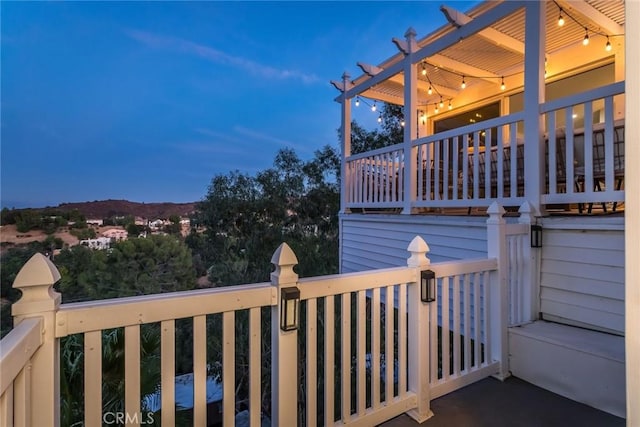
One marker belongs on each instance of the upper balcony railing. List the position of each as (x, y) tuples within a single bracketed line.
[(367, 349), (475, 165)]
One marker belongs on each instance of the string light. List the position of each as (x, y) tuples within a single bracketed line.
[(502, 86), (424, 69), (373, 107), (357, 101), (441, 102), (585, 41), (463, 84), (435, 108), (402, 122), (450, 106), (380, 118), (560, 19), (430, 91)]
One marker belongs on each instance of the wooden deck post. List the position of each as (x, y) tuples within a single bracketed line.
[(410, 128), (531, 257), (631, 217), (345, 137), (284, 348), (498, 294), (35, 280), (418, 334), (534, 89)]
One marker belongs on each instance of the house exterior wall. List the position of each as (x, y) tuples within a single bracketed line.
[(380, 241), (582, 272), (581, 268)]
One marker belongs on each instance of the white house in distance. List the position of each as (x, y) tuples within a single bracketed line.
[(100, 243), (495, 101), (115, 234)]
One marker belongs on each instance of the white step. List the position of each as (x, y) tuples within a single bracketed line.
[(580, 364)]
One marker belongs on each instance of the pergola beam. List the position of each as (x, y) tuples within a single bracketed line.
[(459, 19), (462, 68), (607, 24)]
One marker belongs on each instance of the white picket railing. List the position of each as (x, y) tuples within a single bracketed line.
[(477, 164), (16, 353), (368, 349), (590, 159)]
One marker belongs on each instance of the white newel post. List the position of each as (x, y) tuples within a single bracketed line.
[(498, 293), (35, 280), (418, 334), (531, 257), (284, 349)]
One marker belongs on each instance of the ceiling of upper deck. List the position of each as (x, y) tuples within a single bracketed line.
[(495, 54)]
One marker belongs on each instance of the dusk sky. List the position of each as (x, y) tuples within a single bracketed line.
[(148, 101)]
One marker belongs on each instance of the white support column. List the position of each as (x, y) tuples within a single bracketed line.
[(284, 348), (418, 335), (35, 280), (410, 127), (631, 217), (531, 257), (534, 90), (345, 137), (498, 294)]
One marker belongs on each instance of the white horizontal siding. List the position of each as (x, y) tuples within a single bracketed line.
[(379, 241), (582, 274)]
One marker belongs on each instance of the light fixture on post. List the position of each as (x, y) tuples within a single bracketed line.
[(289, 308), (536, 236), (427, 286)]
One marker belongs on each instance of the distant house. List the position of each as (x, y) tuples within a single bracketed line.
[(101, 243), (95, 222), (116, 234)]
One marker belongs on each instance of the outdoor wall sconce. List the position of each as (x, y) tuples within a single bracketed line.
[(536, 236), (289, 308), (427, 286)]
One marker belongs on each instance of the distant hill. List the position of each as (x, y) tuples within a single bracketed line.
[(107, 208)]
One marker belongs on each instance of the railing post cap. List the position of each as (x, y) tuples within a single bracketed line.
[(284, 259), (38, 271), (410, 33), (496, 209), (527, 213), (418, 249), (35, 280)]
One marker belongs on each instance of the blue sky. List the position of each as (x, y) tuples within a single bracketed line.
[(147, 101)]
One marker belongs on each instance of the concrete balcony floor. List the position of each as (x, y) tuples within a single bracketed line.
[(512, 403)]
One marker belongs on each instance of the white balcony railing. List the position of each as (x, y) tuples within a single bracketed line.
[(367, 350), (475, 165)]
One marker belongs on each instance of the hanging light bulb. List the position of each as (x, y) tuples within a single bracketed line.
[(402, 123), (463, 84), (424, 69), (435, 107), (608, 45), (441, 103), (373, 107), (450, 106), (502, 86), (357, 101), (585, 41), (430, 91), (380, 118), (560, 19)]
